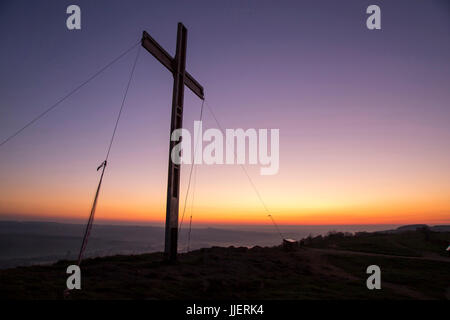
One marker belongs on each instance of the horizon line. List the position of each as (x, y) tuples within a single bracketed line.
[(205, 224)]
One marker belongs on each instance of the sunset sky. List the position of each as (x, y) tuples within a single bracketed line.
[(364, 116)]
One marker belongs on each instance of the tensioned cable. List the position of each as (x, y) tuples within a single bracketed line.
[(276, 226), (103, 166), (123, 103), (68, 95), (242, 166), (190, 173), (192, 209), (245, 171)]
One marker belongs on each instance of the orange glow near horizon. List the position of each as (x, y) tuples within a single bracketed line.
[(123, 199), (127, 198), (204, 215)]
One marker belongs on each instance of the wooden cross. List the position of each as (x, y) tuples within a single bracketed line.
[(177, 66)]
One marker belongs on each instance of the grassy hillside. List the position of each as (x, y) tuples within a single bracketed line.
[(313, 272), (420, 242)]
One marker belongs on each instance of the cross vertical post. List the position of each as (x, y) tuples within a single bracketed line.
[(177, 66), (173, 180)]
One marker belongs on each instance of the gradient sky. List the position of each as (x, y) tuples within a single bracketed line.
[(363, 115)]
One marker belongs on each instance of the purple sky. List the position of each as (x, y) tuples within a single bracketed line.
[(348, 101)]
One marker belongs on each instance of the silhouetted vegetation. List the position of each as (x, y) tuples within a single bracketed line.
[(406, 243)]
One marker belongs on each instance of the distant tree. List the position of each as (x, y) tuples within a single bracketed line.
[(362, 234), (425, 230), (331, 233), (348, 234)]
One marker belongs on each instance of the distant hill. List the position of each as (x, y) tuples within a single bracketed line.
[(443, 228), (413, 227)]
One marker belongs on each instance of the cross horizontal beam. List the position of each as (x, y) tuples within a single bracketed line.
[(166, 59)]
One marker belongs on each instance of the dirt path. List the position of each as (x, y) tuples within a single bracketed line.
[(320, 265), (344, 252)]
